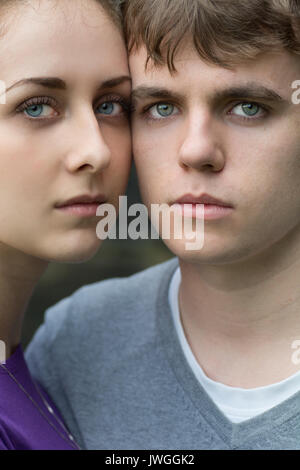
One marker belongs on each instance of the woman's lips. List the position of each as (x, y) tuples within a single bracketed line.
[(82, 210), (84, 206)]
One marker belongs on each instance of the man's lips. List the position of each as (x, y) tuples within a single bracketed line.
[(202, 199), (212, 207)]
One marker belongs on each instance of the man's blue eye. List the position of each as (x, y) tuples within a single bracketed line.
[(164, 109), (251, 109), (248, 110), (160, 111)]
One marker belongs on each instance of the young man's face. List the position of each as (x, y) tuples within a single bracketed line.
[(233, 134)]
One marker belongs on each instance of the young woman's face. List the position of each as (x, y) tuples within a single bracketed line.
[(64, 129)]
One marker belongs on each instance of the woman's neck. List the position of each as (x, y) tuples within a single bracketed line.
[(19, 275)]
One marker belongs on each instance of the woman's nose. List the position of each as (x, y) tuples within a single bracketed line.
[(89, 150)]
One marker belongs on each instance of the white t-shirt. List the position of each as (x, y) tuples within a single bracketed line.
[(236, 403)]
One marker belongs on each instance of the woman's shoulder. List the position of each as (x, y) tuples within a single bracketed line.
[(106, 300), (97, 314)]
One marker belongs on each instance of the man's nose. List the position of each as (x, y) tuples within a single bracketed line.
[(200, 146)]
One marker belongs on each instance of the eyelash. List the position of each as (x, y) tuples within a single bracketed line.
[(116, 99), (146, 114), (262, 108), (46, 100), (38, 100)]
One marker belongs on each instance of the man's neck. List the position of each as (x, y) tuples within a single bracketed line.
[(242, 319)]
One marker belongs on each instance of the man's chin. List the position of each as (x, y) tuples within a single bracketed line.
[(209, 254)]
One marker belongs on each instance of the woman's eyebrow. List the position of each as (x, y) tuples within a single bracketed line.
[(48, 82), (112, 82), (59, 84)]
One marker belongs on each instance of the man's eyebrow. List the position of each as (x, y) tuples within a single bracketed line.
[(146, 92), (250, 91), (59, 84)]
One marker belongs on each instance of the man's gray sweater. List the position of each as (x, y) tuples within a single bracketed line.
[(110, 358)]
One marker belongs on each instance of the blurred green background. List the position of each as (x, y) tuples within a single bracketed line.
[(115, 258)]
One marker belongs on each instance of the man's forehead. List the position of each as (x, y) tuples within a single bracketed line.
[(184, 52), (270, 75), (140, 64), (187, 53)]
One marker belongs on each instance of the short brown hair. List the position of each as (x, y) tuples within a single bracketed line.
[(224, 32)]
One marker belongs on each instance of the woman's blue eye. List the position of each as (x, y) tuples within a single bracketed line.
[(110, 108), (106, 108), (35, 110)]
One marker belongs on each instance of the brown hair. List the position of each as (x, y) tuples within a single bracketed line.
[(224, 32), (113, 8)]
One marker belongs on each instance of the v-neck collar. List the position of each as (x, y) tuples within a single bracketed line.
[(234, 435)]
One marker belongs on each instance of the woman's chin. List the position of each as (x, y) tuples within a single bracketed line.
[(75, 254)]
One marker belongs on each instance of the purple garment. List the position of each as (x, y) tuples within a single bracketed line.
[(22, 426)]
